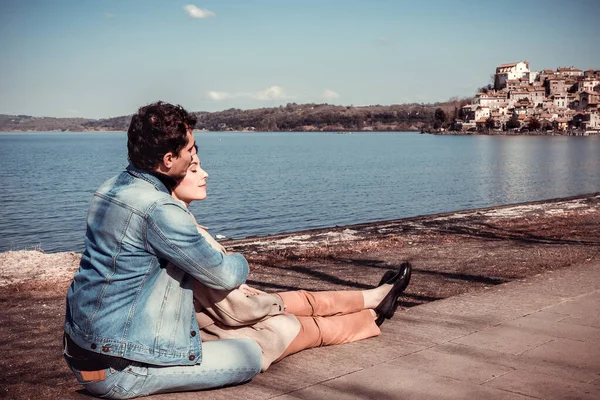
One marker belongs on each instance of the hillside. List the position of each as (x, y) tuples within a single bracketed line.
[(292, 117)]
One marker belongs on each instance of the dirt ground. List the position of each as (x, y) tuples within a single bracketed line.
[(452, 254)]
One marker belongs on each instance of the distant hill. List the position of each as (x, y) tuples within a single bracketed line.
[(29, 123), (291, 117), (12, 123)]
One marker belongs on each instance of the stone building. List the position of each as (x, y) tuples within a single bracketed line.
[(570, 71), (511, 71), (555, 85)]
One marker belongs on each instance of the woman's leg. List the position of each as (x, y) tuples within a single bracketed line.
[(324, 304), (333, 317), (326, 331)]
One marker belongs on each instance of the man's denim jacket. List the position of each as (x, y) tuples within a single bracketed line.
[(124, 301)]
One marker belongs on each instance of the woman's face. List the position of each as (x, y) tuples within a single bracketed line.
[(193, 185)]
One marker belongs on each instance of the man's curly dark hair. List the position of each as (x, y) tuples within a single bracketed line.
[(154, 131)]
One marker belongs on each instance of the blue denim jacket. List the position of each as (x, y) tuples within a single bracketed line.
[(125, 300)]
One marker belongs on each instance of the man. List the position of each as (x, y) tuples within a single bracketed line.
[(130, 327)]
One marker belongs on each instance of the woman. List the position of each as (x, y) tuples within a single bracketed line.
[(288, 322)]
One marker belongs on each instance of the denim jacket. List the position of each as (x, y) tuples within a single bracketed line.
[(126, 300)]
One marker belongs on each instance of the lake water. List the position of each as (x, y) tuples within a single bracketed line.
[(265, 183)]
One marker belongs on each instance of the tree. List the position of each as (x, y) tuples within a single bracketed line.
[(513, 122), (440, 116), (271, 124), (534, 124), (490, 123), (486, 88)]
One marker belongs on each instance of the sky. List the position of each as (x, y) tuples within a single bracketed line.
[(105, 58)]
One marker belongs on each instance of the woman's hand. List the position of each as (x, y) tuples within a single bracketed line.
[(247, 290)]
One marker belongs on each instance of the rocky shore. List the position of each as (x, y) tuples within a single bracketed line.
[(453, 253)]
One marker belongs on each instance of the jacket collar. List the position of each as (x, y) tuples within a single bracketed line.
[(161, 182)]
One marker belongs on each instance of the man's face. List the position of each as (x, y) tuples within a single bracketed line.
[(184, 158)]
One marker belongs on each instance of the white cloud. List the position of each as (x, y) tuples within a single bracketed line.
[(271, 93), (218, 96), (109, 15), (329, 94), (384, 40), (196, 12)]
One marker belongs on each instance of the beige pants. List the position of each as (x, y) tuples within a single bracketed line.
[(328, 318)]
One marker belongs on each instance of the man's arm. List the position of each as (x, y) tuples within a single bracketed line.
[(172, 234)]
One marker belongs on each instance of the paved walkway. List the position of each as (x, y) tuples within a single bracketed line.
[(534, 338)]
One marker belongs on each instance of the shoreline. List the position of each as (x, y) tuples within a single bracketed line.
[(29, 266), (376, 224), (507, 133), (248, 240)]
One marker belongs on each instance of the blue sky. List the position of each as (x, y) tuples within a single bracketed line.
[(102, 58)]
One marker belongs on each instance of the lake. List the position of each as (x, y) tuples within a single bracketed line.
[(265, 183)]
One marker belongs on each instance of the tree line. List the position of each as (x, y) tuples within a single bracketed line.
[(291, 117)]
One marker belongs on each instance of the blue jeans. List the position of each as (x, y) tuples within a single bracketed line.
[(224, 362)]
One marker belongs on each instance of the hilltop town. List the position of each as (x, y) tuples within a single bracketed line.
[(520, 100)]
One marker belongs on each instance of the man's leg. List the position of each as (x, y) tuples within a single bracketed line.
[(224, 363)]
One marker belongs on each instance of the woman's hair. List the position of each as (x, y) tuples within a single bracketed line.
[(154, 131)]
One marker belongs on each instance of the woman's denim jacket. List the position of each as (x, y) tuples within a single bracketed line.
[(124, 301)]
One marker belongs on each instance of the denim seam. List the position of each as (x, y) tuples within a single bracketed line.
[(177, 315), (144, 176), (135, 303), (193, 342), (217, 371), (160, 316), (108, 278), (129, 346), (119, 203), (184, 256)]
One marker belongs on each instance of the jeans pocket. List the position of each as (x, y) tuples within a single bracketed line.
[(130, 382), (100, 388)]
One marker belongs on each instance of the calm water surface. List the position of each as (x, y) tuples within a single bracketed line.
[(264, 183)]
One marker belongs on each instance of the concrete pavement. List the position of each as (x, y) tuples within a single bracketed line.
[(533, 338)]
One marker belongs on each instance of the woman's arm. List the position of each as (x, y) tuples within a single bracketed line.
[(236, 308)]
